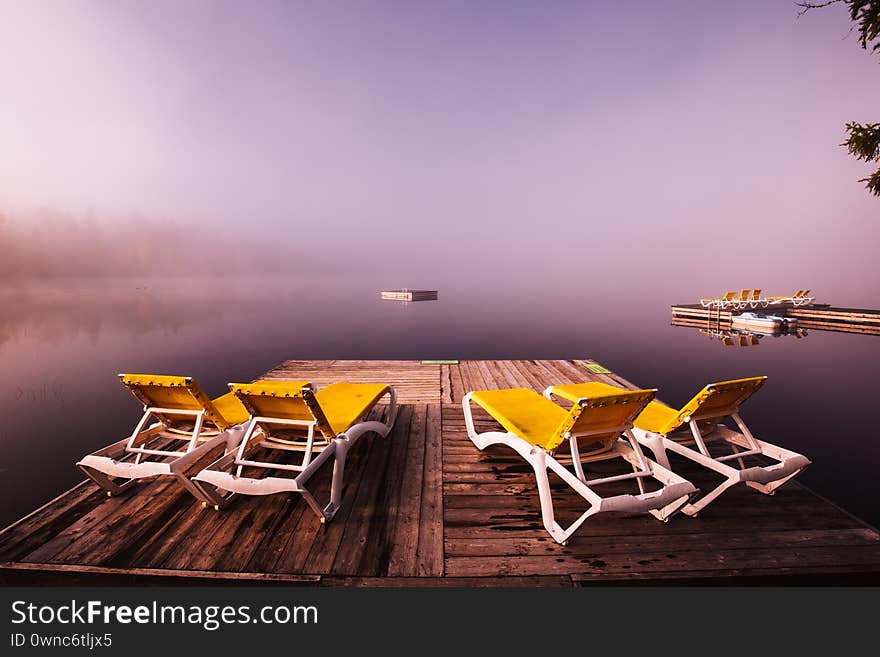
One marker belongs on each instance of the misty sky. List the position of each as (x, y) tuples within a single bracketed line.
[(684, 147)]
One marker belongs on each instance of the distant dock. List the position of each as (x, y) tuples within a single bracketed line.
[(424, 507), (409, 295), (820, 317)]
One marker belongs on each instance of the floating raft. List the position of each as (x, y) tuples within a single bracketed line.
[(409, 295), (424, 507), (821, 317)]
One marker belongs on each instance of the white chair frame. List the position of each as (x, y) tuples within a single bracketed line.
[(662, 503), (225, 481), (128, 459), (765, 479)]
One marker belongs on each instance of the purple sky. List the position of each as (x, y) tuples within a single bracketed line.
[(682, 148)]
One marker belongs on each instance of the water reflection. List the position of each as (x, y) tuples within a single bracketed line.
[(743, 338), (734, 338)]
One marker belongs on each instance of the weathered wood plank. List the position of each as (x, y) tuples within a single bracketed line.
[(353, 536), (203, 549), (553, 581), (647, 544), (833, 575), (609, 563), (472, 377), (100, 522), (116, 576), (46, 522), (375, 554), (415, 382), (445, 385), (456, 379), (404, 539), (294, 527), (312, 545), (429, 559)]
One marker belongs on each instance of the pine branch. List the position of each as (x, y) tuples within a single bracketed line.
[(806, 6), (872, 182), (867, 14), (863, 141), (864, 13)]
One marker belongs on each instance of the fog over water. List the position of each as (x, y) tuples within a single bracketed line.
[(687, 150)]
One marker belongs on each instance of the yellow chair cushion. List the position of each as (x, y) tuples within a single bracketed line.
[(657, 417), (345, 404), (606, 406), (719, 397), (232, 410), (525, 413), (712, 402), (275, 399), (165, 391), (181, 393), (574, 391), (339, 405)]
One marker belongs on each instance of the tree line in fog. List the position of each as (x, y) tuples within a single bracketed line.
[(56, 245)]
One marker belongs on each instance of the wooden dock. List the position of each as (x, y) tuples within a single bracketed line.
[(819, 317), (424, 507)]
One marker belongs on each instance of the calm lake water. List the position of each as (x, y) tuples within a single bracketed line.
[(60, 351)]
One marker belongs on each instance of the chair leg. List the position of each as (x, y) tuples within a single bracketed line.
[(211, 495), (694, 508), (770, 488), (337, 482), (190, 487), (666, 512), (106, 483), (537, 459), (654, 442)]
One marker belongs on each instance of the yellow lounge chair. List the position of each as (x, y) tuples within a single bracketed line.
[(659, 427), (799, 298), (755, 300), (777, 300), (294, 416), (183, 414), (742, 301), (535, 427), (721, 302), (803, 299)]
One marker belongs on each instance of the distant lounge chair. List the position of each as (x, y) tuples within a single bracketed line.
[(659, 428), (722, 302), (184, 414), (293, 416), (755, 300), (536, 427), (799, 298), (775, 300), (742, 301)]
